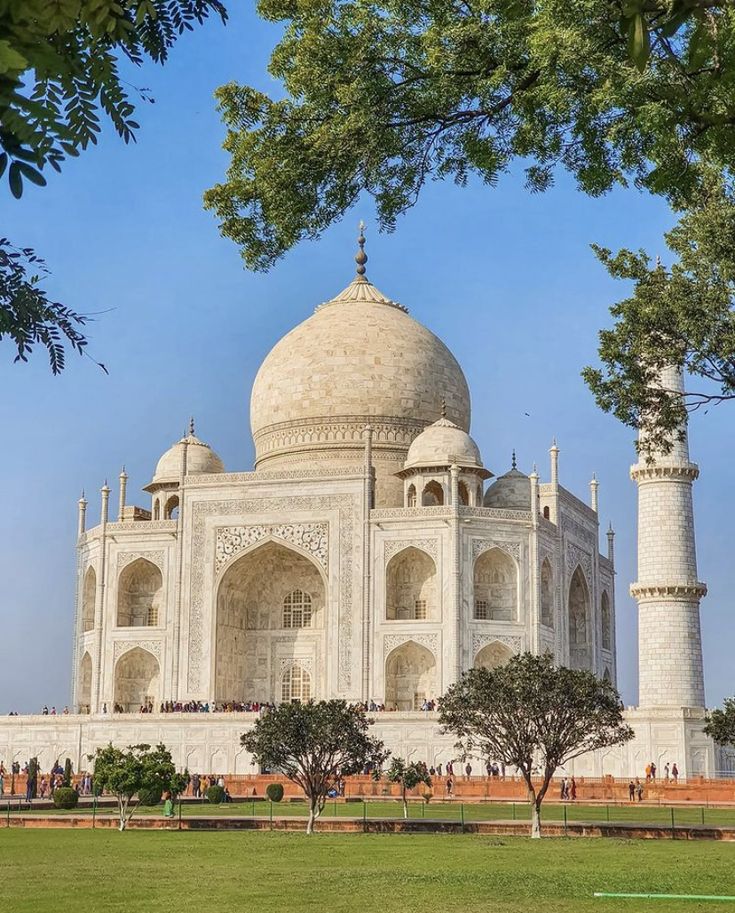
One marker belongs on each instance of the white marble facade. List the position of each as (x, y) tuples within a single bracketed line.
[(370, 555)]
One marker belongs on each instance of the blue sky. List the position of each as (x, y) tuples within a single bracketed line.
[(506, 279)]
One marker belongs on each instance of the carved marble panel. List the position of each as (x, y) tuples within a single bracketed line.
[(126, 558), (391, 641), (122, 646), (483, 545), (311, 537), (577, 556), (481, 639), (392, 547)]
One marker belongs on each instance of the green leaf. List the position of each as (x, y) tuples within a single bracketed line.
[(32, 174), (639, 42), (700, 45), (11, 61), (3, 163), (15, 180)]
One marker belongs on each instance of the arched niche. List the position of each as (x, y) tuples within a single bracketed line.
[(580, 629), (139, 595), (432, 495), (410, 586), (547, 594), (495, 586), (157, 509), (493, 655), (171, 510), (411, 496), (410, 677), (464, 495), (606, 621), (137, 680), (270, 593), (606, 677), (89, 591), (295, 684), (84, 688)]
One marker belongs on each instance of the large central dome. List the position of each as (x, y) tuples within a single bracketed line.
[(360, 359)]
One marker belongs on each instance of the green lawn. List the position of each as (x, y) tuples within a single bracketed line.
[(487, 811), (176, 872)]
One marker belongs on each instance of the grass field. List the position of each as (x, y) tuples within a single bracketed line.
[(454, 811), (178, 872)]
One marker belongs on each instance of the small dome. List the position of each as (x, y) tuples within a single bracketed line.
[(443, 444), (200, 458), (512, 491)]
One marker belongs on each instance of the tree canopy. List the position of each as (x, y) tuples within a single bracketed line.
[(27, 316), (383, 95), (60, 68), (127, 772), (682, 316), (59, 72), (314, 744), (720, 724), (534, 716), (409, 775)]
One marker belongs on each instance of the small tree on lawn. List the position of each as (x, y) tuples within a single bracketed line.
[(534, 716), (313, 744), (720, 724), (408, 776), (124, 773)]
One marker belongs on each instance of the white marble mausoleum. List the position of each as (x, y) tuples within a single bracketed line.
[(371, 555)]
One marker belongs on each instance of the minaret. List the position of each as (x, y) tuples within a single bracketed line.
[(668, 591)]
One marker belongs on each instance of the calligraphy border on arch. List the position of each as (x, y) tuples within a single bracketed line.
[(346, 505)]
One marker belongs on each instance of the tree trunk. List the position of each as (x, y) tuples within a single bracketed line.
[(536, 819), (122, 823), (405, 802), (314, 811)]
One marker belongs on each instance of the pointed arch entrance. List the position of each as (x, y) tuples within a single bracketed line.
[(270, 610), (84, 691), (410, 677), (580, 628), (493, 655), (137, 680)]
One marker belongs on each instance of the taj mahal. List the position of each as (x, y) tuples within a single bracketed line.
[(370, 555)]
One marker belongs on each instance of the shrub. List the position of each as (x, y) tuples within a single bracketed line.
[(427, 795), (65, 797), (67, 772), (149, 796), (274, 791), (215, 795)]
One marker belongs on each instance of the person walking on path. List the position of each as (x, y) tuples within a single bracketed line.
[(639, 789), (653, 770), (449, 787), (666, 771), (675, 772), (573, 790), (631, 791), (468, 771)]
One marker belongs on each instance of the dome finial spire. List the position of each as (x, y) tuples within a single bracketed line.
[(513, 462), (361, 256), (191, 426), (444, 408)]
